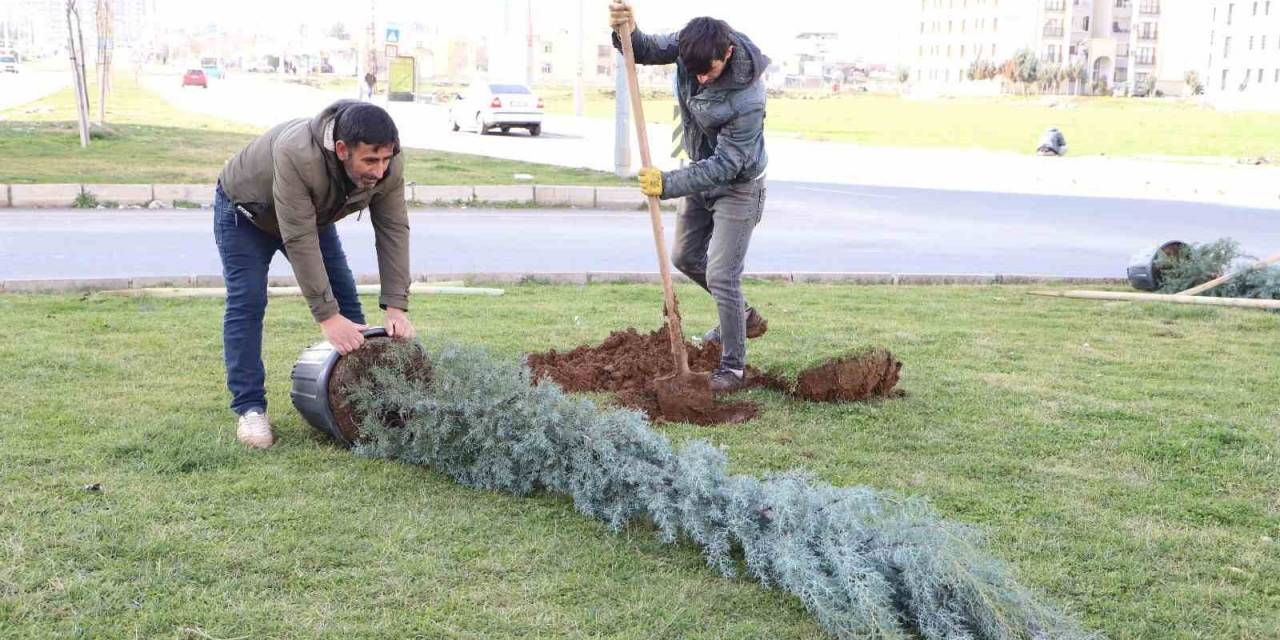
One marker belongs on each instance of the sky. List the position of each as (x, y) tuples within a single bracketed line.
[(871, 29)]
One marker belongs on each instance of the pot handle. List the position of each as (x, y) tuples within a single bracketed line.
[(375, 332)]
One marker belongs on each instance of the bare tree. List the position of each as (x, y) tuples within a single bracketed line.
[(75, 44), (106, 45)]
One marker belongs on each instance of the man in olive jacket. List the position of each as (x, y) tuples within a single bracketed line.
[(284, 192), (722, 107)]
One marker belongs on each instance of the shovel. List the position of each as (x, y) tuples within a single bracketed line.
[(683, 395)]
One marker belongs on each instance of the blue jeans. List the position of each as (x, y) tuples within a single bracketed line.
[(246, 252), (713, 231)]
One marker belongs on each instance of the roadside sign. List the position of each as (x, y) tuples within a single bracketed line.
[(402, 78)]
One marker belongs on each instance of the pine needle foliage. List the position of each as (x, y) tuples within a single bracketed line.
[(865, 563), (1200, 263)]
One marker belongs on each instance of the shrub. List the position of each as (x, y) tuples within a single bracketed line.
[(866, 563)]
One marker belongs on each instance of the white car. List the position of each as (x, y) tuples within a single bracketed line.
[(9, 64), (504, 106)]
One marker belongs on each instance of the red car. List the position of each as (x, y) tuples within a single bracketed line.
[(195, 78)]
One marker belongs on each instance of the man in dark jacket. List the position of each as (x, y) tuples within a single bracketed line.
[(284, 192), (722, 106)]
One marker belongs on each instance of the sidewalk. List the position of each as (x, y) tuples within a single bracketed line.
[(1216, 181), (588, 142)]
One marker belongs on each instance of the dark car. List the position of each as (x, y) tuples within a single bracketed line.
[(195, 78)]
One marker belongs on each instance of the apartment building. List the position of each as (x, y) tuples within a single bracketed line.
[(951, 34), (1129, 45), (1244, 54)]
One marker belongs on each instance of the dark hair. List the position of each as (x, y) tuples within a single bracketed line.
[(366, 123), (703, 40)]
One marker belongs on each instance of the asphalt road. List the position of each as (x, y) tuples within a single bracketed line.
[(807, 227)]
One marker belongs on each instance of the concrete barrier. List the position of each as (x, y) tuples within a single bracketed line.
[(43, 195), (138, 194), (433, 194), (64, 285), (504, 194), (769, 276), (571, 278), (1043, 279), (837, 277), (560, 196), (208, 281), (945, 278), (555, 278), (619, 198), (622, 277), (201, 194), (4, 195), (147, 282)]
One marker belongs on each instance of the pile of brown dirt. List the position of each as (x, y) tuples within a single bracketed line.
[(354, 367), (850, 378), (628, 364)]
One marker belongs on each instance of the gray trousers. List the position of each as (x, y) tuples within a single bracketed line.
[(713, 231)]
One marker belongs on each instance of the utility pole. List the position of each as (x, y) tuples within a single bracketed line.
[(8, 28), (367, 58), (622, 113), (373, 40), (504, 47), (578, 107), (528, 59)]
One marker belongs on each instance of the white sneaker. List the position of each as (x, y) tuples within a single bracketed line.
[(253, 429)]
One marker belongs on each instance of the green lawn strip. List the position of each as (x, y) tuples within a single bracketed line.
[(147, 141), (1111, 126), (1121, 456)]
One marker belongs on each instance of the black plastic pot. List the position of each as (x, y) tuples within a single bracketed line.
[(310, 392), (1143, 273)]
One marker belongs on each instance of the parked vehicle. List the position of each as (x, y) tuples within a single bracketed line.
[(213, 68), (195, 78), (9, 64), (504, 106)]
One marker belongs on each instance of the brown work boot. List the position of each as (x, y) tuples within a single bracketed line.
[(253, 429), (724, 380), (756, 326)]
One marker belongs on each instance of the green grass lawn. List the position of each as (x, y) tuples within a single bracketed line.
[(1112, 126), (1122, 457), (149, 141)]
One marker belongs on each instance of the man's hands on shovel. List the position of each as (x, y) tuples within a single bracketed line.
[(651, 182), (620, 14)]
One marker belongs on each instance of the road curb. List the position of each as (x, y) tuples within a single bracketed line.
[(623, 198), (164, 196), (581, 278)]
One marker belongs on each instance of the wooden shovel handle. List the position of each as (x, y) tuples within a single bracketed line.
[(674, 330)]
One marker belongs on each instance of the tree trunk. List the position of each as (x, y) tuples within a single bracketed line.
[(106, 45), (77, 72)]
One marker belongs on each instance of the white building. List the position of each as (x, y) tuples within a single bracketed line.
[(1124, 44), (37, 27), (951, 34), (1244, 54)]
